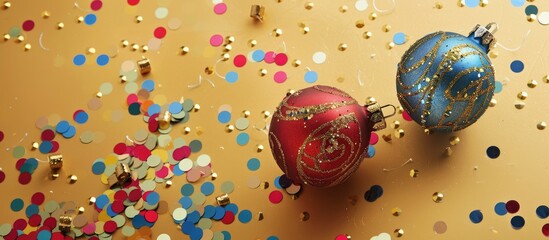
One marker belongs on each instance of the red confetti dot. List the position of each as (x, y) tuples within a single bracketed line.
[(38, 198), (160, 32), (2, 176), (19, 224), (20, 163), (153, 123), (182, 152), (141, 152), (50, 223), (545, 230), (341, 237), (35, 220), (28, 25), (281, 59), (151, 216), (47, 135), (120, 195), (96, 5), (374, 138), (239, 60), (110, 226), (275, 197), (134, 195), (58, 236), (25, 178), (54, 146), (1, 136), (133, 2), (512, 206), (228, 218), (406, 116), (120, 148), (117, 206)]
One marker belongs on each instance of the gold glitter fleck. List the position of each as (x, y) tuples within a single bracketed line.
[(79, 19), (246, 113), (390, 45), (60, 25), (343, 8), (342, 47), (144, 48), (229, 128), (387, 138), (399, 133), (186, 130), (196, 107), (520, 105), (169, 183), (91, 200), (304, 216), (28, 46), (227, 48), (183, 50), (372, 16), (138, 19), (545, 79), (359, 23), (296, 63), (257, 12), (367, 35), (135, 47), (531, 18), (123, 78), (214, 176), (461, 3), (264, 185), (99, 94), (396, 211), (124, 43), (305, 30), (72, 179), (448, 151), (230, 39), (208, 70), (437, 197), (522, 95), (427, 131), (454, 140), (252, 43), (438, 5), (225, 56), (395, 124), (262, 72), (399, 232), (542, 125), (493, 102), (309, 5), (266, 114), (81, 210), (414, 173), (532, 83), (46, 14), (260, 147), (386, 28), (484, 3), (277, 32), (6, 37), (90, 50), (6, 5), (35, 145), (260, 216), (20, 38)]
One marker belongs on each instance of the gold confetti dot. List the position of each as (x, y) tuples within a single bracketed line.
[(262, 72), (390, 45), (186, 130), (123, 78), (305, 30), (246, 113), (454, 140), (340, 79), (252, 43), (461, 3), (227, 48), (260, 216), (367, 35), (493, 102), (229, 128), (169, 183), (438, 5), (342, 47), (81, 210), (522, 95), (138, 19), (144, 48), (386, 28), (79, 19), (532, 83), (6, 5), (304, 216), (372, 16), (266, 114), (214, 176), (520, 105), (208, 70), (35, 145), (72, 179), (28, 46), (91, 200), (277, 32), (90, 50), (6, 37), (260, 147), (399, 232), (46, 14), (395, 124), (399, 133), (396, 211), (20, 39), (359, 23), (542, 125), (296, 63), (183, 50), (135, 47), (437, 197), (60, 25), (124, 43), (196, 107), (414, 173), (370, 100), (493, 54), (531, 18), (343, 8), (264, 185), (309, 5), (545, 79), (484, 3), (230, 39), (99, 94), (427, 131)]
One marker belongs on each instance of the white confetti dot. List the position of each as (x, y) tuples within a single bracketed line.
[(179, 214), (185, 164), (217, 1), (543, 18), (361, 5), (163, 236), (203, 160), (319, 57), (161, 13)]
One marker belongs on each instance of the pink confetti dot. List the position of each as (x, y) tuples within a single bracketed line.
[(280, 77), (47, 135), (281, 59), (182, 152), (96, 5), (133, 2), (89, 229), (131, 98), (216, 40), (374, 138), (28, 25), (163, 172), (160, 32), (220, 8), (341, 237), (275, 197), (269, 57), (406, 116), (239, 60)]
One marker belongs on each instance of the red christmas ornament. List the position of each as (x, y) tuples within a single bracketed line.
[(319, 135)]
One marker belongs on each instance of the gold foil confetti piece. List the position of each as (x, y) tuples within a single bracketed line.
[(81, 210), (262, 72), (169, 183), (246, 113), (399, 133), (135, 47), (124, 43), (414, 173), (359, 23), (252, 43), (225, 56), (65, 223), (199, 130), (6, 37), (386, 28), (264, 185), (484, 3), (35, 145), (90, 50), (493, 54), (396, 211), (99, 94), (461, 3), (91, 200), (437, 197), (522, 95), (454, 140), (46, 14), (138, 19), (342, 47), (144, 48), (531, 18), (60, 25), (390, 45), (208, 70), (399, 232), (367, 35), (257, 12), (123, 173), (72, 179), (56, 162), (223, 200), (542, 125), (260, 148), (265, 114), (493, 102), (277, 32), (387, 138), (213, 176), (186, 130), (144, 66), (532, 83), (304, 216), (123, 78), (372, 16), (6, 5), (183, 50), (395, 124), (305, 30), (520, 105), (260, 216), (309, 5), (438, 5), (229, 128), (343, 8), (545, 79), (79, 19), (296, 63), (229, 39), (164, 123), (20, 39), (448, 151)]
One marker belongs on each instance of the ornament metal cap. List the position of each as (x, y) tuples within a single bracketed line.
[(485, 34), (376, 115)]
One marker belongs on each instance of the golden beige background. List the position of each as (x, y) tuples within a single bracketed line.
[(40, 82)]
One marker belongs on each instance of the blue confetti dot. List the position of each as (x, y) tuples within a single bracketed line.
[(154, 109), (399, 38), (44, 235), (499, 87), (472, 3), (153, 198), (187, 227), (101, 201), (542, 211), (27, 167), (90, 19), (224, 117), (500, 209), (207, 188), (277, 182), (62, 126), (493, 152), (311, 76), (187, 189), (177, 171), (195, 145), (242, 138), (209, 211), (79, 60), (272, 238), (31, 210), (98, 167), (517, 66), (134, 108), (517, 222), (110, 212), (219, 213), (253, 164), (196, 233), (226, 235), (193, 217), (231, 207), (531, 9), (245, 216), (517, 3), (476, 216), (138, 221), (102, 60), (45, 147), (81, 117), (175, 107), (32, 162), (371, 152), (148, 85), (231, 77), (186, 202), (17, 204), (70, 133), (258, 55)]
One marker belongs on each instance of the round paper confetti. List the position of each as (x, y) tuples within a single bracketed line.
[(28, 25), (517, 222), (242, 139), (545, 230), (1, 136), (361, 5), (245, 216), (17, 204), (90, 19), (543, 18), (160, 32), (440, 227), (276, 197), (472, 3), (79, 60), (231, 77), (399, 38), (512, 206), (476, 216), (216, 40), (80, 117), (253, 164), (542, 211), (161, 13), (517, 3), (498, 87), (281, 59), (227, 187), (493, 152), (517, 66), (319, 57), (187, 189), (258, 55), (500, 209), (96, 5), (239, 60), (207, 188), (311, 77), (220, 8), (280, 77), (531, 9)]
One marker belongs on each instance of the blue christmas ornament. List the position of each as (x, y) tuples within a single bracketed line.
[(445, 81)]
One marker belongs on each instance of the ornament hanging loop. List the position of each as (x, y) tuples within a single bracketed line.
[(377, 117)]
